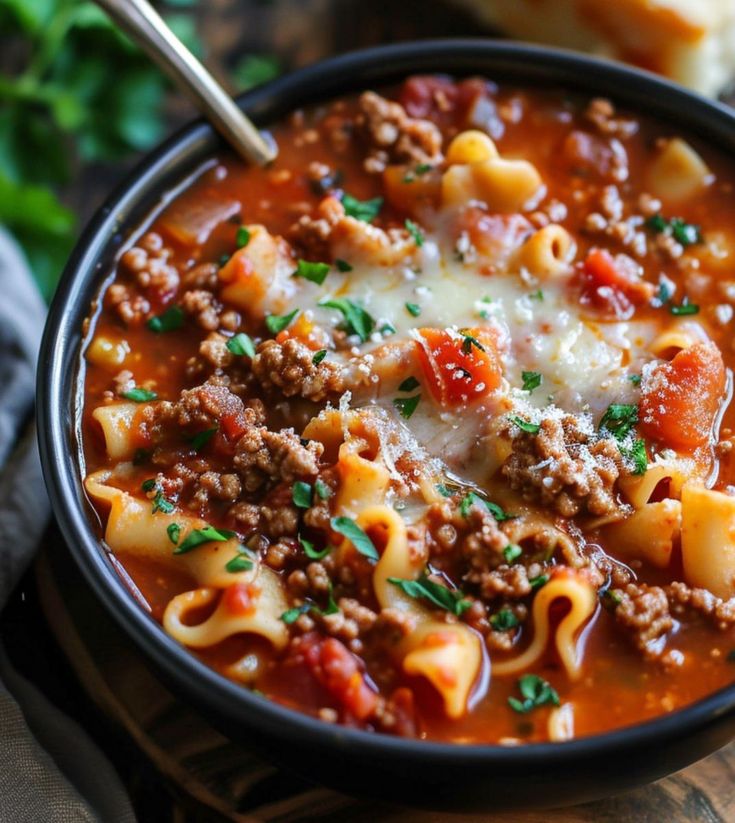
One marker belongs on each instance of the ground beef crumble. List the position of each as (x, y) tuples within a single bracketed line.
[(642, 611), (289, 368)]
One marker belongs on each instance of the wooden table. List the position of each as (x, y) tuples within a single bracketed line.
[(209, 777)]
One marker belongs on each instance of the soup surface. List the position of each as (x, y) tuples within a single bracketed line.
[(425, 429)]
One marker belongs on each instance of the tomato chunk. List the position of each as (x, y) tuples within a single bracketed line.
[(680, 399), (459, 367), (613, 284), (240, 598)]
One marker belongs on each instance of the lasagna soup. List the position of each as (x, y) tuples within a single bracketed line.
[(425, 428)]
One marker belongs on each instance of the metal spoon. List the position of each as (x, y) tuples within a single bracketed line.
[(145, 26)]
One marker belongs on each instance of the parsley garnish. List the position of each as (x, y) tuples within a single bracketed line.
[(292, 615), (322, 489), (413, 309), (170, 320), (197, 537), (239, 563), (451, 600), (619, 419), (537, 295), (347, 527), (637, 455), (173, 530), (241, 345), (406, 405), (224, 260), (342, 265), (496, 511), (409, 384), (665, 292), (469, 341), (162, 504), (302, 494), (511, 553), (531, 380), (387, 328), (200, 440), (148, 485), (417, 171), (685, 308), (503, 620), (315, 272), (275, 323), (319, 356), (635, 379), (685, 233), (365, 210), (415, 232), (525, 425), (311, 552), (535, 692), (537, 582), (138, 395), (242, 238), (358, 321)]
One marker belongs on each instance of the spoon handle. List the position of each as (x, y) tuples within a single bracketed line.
[(145, 26)]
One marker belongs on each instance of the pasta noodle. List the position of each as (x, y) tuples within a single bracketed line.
[(117, 421), (708, 539), (548, 252), (649, 533)]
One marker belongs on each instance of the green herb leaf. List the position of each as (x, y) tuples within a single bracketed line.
[(315, 272), (387, 329), (311, 552), (538, 582), (525, 425), (138, 395), (504, 620), (322, 489), (415, 232), (362, 543), (635, 379), (443, 490), (511, 553), (413, 309), (531, 380), (277, 323), (409, 384), (173, 530), (148, 485), (292, 615), (342, 265), (537, 295), (423, 588), (665, 292), (496, 511), (469, 341), (303, 494), (200, 440), (406, 406), (197, 537), (239, 563), (417, 171), (358, 321), (636, 454), (365, 210), (685, 308), (170, 320), (535, 692), (162, 504), (242, 238), (685, 233), (319, 356), (619, 419), (241, 345)]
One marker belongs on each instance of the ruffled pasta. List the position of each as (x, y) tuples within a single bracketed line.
[(708, 539)]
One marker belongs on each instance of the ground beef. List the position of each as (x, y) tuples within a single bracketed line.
[(212, 485), (149, 265), (202, 307), (130, 307), (203, 276), (392, 625), (393, 136), (508, 582), (397, 714), (642, 611), (682, 598), (565, 469), (601, 114), (289, 368), (123, 382), (263, 456), (213, 349), (278, 555)]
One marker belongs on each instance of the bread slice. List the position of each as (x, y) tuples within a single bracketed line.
[(691, 41)]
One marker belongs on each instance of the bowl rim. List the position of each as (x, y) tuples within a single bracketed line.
[(61, 345)]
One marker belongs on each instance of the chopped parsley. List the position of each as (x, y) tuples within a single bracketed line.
[(636, 454), (387, 328), (148, 485), (277, 323), (415, 232), (197, 537), (531, 380), (451, 600), (619, 420), (503, 620), (319, 356), (241, 345), (200, 440), (302, 494), (170, 320), (342, 265), (311, 552), (525, 425), (665, 291), (173, 530), (536, 692), (346, 526), (322, 489), (537, 295), (417, 171), (413, 309), (537, 582), (162, 504), (406, 405), (468, 341), (292, 615), (224, 260), (315, 272), (138, 395), (365, 210), (239, 563), (635, 379), (685, 233), (357, 320), (511, 553), (242, 238), (496, 511), (684, 308), (409, 384)]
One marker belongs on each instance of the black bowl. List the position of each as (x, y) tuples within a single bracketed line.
[(409, 772)]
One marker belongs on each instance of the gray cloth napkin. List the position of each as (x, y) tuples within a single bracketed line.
[(50, 770)]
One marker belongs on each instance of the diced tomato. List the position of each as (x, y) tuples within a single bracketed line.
[(613, 284), (680, 399), (494, 236), (445, 102), (337, 670), (240, 598), (593, 156), (459, 367)]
